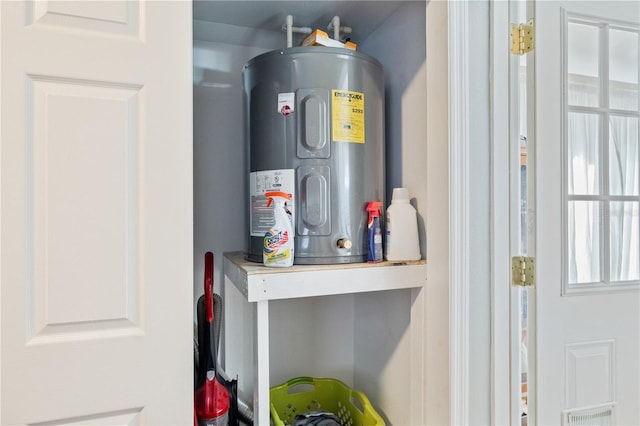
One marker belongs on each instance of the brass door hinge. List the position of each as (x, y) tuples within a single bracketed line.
[(522, 38), (523, 271)]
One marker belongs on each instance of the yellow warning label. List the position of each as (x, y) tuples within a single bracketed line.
[(347, 116)]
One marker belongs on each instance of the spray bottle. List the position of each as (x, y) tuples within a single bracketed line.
[(277, 249), (374, 233)]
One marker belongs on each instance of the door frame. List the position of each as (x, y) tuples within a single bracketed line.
[(459, 267), (458, 202), (500, 214)]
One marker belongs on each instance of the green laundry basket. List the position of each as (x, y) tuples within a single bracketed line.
[(304, 394)]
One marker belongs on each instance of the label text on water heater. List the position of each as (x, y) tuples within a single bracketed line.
[(347, 116)]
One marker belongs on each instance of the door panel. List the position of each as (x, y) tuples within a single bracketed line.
[(588, 320), (107, 17), (102, 150), (96, 213)]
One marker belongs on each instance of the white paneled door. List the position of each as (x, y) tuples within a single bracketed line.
[(96, 213), (587, 197)]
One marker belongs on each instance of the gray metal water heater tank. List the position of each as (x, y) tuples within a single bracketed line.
[(315, 129)]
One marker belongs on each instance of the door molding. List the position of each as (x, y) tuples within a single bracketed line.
[(500, 249), (459, 203)]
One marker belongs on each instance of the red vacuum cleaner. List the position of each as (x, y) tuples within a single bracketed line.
[(211, 397)]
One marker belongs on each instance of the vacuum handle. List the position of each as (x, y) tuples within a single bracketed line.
[(202, 342), (208, 284)]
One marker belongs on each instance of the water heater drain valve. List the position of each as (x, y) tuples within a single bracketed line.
[(344, 243)]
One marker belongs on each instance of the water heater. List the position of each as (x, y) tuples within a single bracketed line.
[(315, 129)]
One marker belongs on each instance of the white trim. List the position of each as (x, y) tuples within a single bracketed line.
[(459, 206), (2, 142), (500, 251)]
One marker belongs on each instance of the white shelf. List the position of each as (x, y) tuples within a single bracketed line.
[(258, 285), (257, 282)]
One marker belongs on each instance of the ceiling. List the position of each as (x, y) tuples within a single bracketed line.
[(363, 16)]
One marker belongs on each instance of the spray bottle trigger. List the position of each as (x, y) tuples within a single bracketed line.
[(271, 194)]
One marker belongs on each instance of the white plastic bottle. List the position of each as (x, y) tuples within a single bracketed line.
[(401, 228), (278, 247)]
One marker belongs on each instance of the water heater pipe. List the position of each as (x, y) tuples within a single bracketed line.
[(334, 25), (290, 29)]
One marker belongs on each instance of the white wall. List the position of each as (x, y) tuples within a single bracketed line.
[(220, 217), (437, 215)]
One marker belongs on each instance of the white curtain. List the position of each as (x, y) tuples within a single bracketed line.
[(623, 180), (586, 218)]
